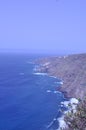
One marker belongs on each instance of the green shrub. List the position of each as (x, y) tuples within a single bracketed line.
[(77, 120)]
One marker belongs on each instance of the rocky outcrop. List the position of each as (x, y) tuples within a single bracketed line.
[(70, 69)]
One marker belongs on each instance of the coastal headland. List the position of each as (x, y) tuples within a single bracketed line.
[(70, 69)]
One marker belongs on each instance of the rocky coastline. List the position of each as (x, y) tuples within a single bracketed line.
[(70, 69)]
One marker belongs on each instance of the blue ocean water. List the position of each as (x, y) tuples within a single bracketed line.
[(27, 101)]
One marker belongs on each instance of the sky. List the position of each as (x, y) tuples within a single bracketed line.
[(43, 26)]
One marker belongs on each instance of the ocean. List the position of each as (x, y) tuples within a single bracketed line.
[(28, 100)]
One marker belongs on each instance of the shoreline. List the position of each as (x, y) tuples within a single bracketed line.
[(73, 101), (70, 69), (41, 71)]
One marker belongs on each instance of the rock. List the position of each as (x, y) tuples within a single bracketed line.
[(71, 69)]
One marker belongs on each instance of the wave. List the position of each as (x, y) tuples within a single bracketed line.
[(48, 91), (43, 74), (62, 123), (60, 83), (55, 92), (51, 123), (73, 102), (53, 77)]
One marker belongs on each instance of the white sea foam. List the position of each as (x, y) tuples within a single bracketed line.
[(62, 123), (43, 74), (51, 123), (48, 91), (65, 103), (60, 82), (53, 77), (59, 92), (55, 92), (73, 102)]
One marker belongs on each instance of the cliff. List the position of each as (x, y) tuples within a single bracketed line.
[(70, 69)]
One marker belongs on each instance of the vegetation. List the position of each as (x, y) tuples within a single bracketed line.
[(76, 120)]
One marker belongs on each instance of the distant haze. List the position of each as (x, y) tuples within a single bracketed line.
[(43, 26)]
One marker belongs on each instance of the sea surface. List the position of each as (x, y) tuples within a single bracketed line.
[(28, 100)]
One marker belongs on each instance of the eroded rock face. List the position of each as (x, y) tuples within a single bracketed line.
[(71, 69)]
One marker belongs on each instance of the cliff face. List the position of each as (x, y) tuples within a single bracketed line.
[(71, 69)]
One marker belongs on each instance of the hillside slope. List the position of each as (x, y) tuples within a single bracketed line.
[(71, 69)]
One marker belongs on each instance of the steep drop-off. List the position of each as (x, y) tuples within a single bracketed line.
[(70, 69)]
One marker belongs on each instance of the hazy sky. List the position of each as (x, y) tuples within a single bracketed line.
[(53, 26)]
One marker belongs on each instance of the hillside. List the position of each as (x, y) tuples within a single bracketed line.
[(70, 69)]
